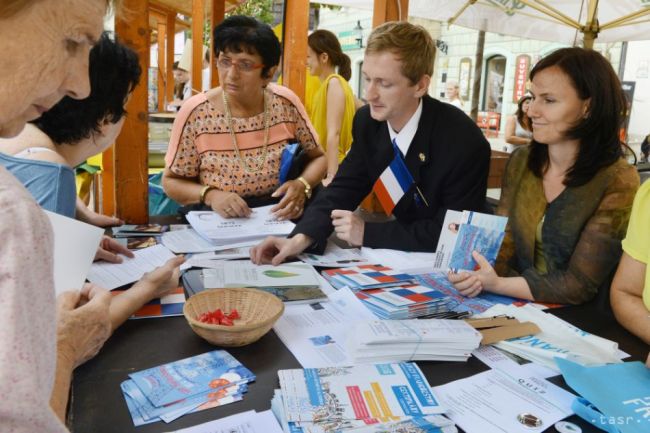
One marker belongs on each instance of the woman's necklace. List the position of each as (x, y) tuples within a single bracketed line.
[(262, 159)]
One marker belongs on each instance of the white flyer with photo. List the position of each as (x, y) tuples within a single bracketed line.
[(316, 333)]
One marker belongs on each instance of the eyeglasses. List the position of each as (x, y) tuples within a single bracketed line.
[(242, 65)]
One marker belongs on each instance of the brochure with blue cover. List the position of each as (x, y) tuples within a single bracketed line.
[(178, 380)]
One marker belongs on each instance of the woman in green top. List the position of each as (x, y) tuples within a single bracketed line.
[(569, 194), (333, 105)]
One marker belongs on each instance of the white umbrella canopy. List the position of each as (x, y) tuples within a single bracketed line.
[(564, 21)]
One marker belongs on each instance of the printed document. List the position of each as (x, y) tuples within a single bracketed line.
[(113, 275), (497, 401)]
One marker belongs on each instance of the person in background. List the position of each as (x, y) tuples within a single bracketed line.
[(182, 87), (333, 106), (518, 126), (568, 195), (452, 92), (439, 146), (226, 144), (645, 148), (45, 46)]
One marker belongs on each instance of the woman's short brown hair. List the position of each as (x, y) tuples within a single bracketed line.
[(410, 42)]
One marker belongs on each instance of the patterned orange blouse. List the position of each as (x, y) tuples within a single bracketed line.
[(201, 146)]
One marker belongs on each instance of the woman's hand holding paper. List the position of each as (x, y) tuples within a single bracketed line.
[(293, 200), (470, 284)]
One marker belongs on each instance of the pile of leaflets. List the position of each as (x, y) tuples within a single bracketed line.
[(390, 294), (172, 390), (365, 277), (405, 302), (416, 340), (238, 231), (337, 399)]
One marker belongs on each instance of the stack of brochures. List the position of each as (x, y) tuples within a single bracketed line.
[(367, 277), (558, 339), (465, 232), (288, 281), (228, 231), (337, 399), (412, 340), (416, 424), (172, 390), (405, 302)]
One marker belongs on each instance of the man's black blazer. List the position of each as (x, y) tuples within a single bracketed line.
[(448, 158)]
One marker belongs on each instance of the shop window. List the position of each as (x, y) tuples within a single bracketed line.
[(495, 68)]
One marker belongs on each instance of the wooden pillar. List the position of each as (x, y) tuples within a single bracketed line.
[(218, 14), (131, 148), (198, 15), (296, 25), (389, 10), (162, 87), (169, 57)]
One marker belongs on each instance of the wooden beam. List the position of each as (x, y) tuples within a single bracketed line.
[(169, 58), (296, 25), (131, 148), (198, 14), (217, 16), (389, 10), (162, 87)]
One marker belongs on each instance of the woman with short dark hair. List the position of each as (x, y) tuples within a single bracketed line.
[(518, 126), (569, 194), (227, 143)]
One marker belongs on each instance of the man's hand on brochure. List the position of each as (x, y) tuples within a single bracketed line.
[(470, 284), (83, 323), (109, 249), (275, 250), (348, 227)]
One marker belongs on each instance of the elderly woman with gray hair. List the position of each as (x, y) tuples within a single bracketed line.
[(45, 46)]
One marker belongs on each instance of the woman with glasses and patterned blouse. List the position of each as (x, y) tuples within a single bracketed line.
[(226, 144)]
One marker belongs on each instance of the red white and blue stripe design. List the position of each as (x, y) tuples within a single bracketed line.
[(393, 183)]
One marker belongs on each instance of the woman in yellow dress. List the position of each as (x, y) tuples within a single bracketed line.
[(333, 105)]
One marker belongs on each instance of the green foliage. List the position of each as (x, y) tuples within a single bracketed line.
[(260, 9)]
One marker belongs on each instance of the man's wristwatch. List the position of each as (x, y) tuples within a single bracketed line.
[(307, 187), (204, 192)]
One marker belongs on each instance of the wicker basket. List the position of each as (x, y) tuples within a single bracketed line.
[(258, 310)]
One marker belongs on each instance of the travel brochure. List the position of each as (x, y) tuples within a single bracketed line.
[(358, 392), (465, 232), (171, 390), (365, 277)]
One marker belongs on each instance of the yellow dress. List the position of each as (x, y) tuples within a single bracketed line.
[(319, 115)]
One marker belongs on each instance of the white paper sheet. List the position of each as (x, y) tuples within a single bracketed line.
[(490, 402), (316, 333), (113, 275), (499, 360), (245, 422), (407, 262), (75, 245)]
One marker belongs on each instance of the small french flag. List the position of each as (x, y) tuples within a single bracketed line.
[(393, 183)]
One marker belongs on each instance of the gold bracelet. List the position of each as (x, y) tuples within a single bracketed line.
[(307, 186), (204, 192)]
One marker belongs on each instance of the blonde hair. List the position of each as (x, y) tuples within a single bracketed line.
[(411, 43), (9, 8)]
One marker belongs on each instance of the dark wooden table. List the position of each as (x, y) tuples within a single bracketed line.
[(97, 404)]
